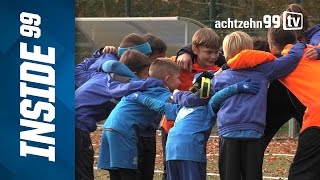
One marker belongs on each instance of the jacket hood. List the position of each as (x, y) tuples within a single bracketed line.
[(249, 59)]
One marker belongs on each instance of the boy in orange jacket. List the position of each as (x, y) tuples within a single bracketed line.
[(304, 83)]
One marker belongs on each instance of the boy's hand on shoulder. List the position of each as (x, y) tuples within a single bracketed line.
[(185, 61), (109, 49), (313, 53), (246, 86)]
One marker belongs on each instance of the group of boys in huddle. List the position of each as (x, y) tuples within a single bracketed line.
[(133, 88)]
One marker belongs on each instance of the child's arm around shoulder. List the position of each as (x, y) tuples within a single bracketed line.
[(169, 109), (286, 64), (185, 57), (119, 89), (114, 66), (245, 86), (187, 98)]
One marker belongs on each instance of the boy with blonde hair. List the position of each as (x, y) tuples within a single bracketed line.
[(119, 141), (241, 118), (235, 42)]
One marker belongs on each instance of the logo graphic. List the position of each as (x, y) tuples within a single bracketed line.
[(288, 21), (292, 21)]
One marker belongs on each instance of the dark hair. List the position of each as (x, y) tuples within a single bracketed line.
[(135, 60), (132, 39), (297, 8), (260, 43), (157, 45), (280, 37)]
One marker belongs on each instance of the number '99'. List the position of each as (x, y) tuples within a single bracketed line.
[(270, 21)]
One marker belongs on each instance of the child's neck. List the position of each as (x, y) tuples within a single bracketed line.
[(201, 64)]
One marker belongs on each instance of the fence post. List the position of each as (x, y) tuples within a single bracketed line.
[(212, 13), (293, 128), (127, 8)]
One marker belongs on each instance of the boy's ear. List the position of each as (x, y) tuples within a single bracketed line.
[(273, 50), (166, 79), (195, 49)]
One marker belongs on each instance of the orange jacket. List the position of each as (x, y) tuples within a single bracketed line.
[(186, 78), (304, 83)]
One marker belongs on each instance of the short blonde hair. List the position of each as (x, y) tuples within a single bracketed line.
[(161, 67), (235, 42), (206, 37)]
